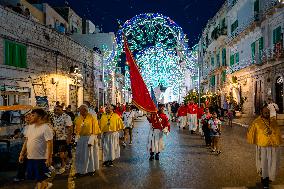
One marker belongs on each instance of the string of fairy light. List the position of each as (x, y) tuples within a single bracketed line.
[(160, 49)]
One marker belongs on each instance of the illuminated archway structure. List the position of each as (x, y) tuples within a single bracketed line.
[(160, 48)]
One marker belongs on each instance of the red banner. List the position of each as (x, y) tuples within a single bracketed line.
[(140, 94)]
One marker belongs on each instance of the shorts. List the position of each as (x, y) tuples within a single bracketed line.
[(37, 169), (60, 146)]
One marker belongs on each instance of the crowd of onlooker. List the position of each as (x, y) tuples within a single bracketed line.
[(51, 137)]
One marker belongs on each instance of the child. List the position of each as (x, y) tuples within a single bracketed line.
[(205, 127), (215, 130)]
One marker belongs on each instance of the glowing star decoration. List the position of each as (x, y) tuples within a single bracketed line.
[(160, 48)]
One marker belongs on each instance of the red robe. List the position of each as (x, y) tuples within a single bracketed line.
[(118, 111), (200, 112), (182, 111), (192, 108), (159, 121)]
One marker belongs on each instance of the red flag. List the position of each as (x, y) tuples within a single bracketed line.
[(140, 94)]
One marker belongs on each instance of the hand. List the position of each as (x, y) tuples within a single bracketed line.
[(48, 162), (21, 158)]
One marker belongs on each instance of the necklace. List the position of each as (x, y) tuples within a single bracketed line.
[(267, 130), (108, 119)]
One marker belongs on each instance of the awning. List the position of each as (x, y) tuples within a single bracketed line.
[(16, 107)]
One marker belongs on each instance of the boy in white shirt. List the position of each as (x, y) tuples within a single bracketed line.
[(128, 121), (38, 147)]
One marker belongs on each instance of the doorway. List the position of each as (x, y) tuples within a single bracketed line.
[(279, 93)]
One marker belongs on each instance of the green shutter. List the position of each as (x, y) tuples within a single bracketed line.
[(232, 60), (224, 57), (213, 80), (223, 76), (212, 61), (253, 50), (237, 58), (256, 6), (15, 54), (277, 35), (218, 59), (260, 47)]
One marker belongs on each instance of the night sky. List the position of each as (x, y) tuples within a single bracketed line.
[(191, 15)]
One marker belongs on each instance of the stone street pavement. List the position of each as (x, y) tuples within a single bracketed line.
[(185, 163)]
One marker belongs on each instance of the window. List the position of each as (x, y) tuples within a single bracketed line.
[(224, 57), (15, 54), (277, 35), (212, 61), (234, 26), (232, 60), (223, 76), (218, 59), (253, 50), (237, 58), (234, 2), (213, 80), (256, 6), (260, 46)]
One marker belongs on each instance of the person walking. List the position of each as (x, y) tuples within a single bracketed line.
[(192, 116), (128, 121), (38, 148), (159, 125), (266, 135), (215, 132), (87, 149), (110, 124), (62, 126), (205, 127), (182, 115)]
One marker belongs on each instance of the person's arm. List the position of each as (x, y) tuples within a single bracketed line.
[(49, 153), (23, 152)]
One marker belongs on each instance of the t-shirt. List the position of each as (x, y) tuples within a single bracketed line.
[(128, 118), (214, 125), (37, 137), (273, 108), (59, 125)]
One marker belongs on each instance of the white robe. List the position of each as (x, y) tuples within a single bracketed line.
[(111, 148), (87, 158), (155, 141)]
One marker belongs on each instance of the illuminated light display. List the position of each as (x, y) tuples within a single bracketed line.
[(160, 49)]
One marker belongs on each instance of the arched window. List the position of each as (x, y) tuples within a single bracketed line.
[(279, 93)]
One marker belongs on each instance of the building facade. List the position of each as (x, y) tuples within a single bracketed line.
[(39, 62), (252, 69)]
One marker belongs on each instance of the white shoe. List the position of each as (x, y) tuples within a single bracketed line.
[(49, 185)]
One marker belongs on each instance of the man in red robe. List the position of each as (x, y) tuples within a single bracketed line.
[(192, 116), (182, 115), (159, 125)]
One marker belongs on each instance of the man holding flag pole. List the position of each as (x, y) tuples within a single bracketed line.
[(142, 100)]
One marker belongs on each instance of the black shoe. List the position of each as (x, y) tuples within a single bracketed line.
[(183, 127), (151, 156), (91, 173), (157, 157), (110, 164), (105, 163)]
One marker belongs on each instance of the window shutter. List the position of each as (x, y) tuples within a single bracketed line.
[(253, 50), (223, 76), (237, 58), (212, 61), (278, 34), (224, 57), (218, 59), (232, 60), (256, 6)]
